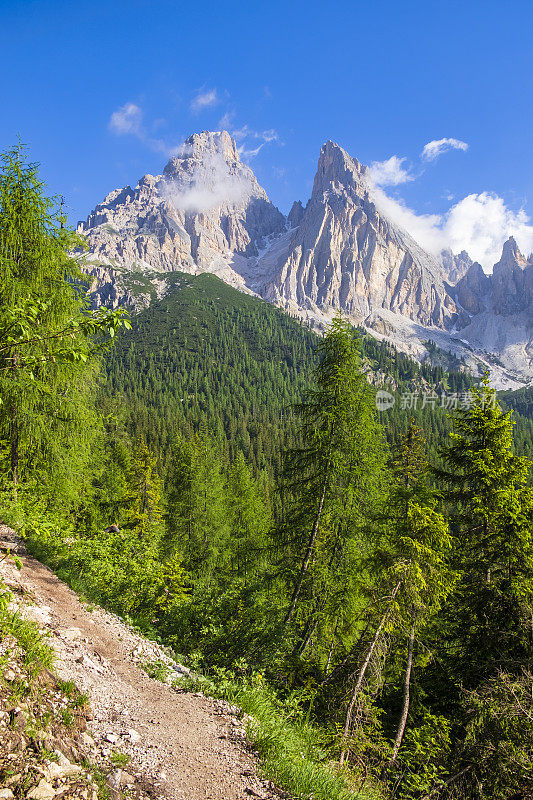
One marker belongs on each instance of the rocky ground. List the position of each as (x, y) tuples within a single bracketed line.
[(138, 736)]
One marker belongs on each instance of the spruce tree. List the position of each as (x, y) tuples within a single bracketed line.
[(197, 516), (491, 503)]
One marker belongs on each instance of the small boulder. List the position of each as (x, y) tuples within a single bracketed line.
[(85, 661), (113, 779), (127, 779), (43, 791), (133, 736), (63, 769)]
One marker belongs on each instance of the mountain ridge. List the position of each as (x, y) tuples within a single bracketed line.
[(207, 213)]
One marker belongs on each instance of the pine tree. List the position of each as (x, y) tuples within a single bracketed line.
[(409, 568), (487, 489)]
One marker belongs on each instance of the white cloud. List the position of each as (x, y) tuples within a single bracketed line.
[(437, 147), (126, 119), (424, 228), (226, 121), (211, 184), (479, 223), (390, 172), (203, 100), (246, 151)]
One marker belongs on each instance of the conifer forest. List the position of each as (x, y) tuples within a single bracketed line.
[(222, 477)]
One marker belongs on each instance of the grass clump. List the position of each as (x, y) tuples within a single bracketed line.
[(38, 654), (120, 759)]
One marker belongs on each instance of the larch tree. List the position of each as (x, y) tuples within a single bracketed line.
[(47, 369), (331, 480), (411, 577)]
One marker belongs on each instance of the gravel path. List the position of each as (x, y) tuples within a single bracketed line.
[(184, 746)]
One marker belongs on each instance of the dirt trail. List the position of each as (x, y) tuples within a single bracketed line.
[(190, 747)]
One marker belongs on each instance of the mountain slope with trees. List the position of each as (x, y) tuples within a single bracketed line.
[(358, 581)]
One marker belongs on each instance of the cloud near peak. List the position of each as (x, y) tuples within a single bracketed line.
[(437, 147), (128, 120), (390, 172), (203, 100), (479, 223)]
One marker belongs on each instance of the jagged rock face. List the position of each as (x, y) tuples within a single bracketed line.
[(345, 254), (207, 212), (296, 214), (206, 206), (471, 291), (455, 266), (511, 281)]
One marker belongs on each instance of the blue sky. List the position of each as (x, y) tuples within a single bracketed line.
[(381, 78)]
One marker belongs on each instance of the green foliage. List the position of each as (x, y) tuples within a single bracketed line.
[(331, 482), (208, 355), (499, 739), (38, 654), (421, 766), (371, 608), (47, 364), (487, 487)]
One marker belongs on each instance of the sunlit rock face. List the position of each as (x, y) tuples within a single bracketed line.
[(346, 254), (206, 208), (207, 212)]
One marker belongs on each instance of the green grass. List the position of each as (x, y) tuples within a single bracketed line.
[(292, 751), (120, 759), (38, 654)]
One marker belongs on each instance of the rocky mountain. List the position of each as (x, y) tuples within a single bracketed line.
[(346, 254), (207, 213)]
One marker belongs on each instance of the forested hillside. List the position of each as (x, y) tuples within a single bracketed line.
[(359, 582), (207, 354)]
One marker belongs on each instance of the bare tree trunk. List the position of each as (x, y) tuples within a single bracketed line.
[(362, 672), (336, 670), (406, 692), (14, 452), (311, 628), (308, 554), (332, 645)]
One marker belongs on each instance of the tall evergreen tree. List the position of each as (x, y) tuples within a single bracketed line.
[(408, 576), (331, 482), (197, 517), (491, 503), (46, 371)]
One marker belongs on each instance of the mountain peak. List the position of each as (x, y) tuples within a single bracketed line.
[(336, 166), (511, 257), (205, 146)]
